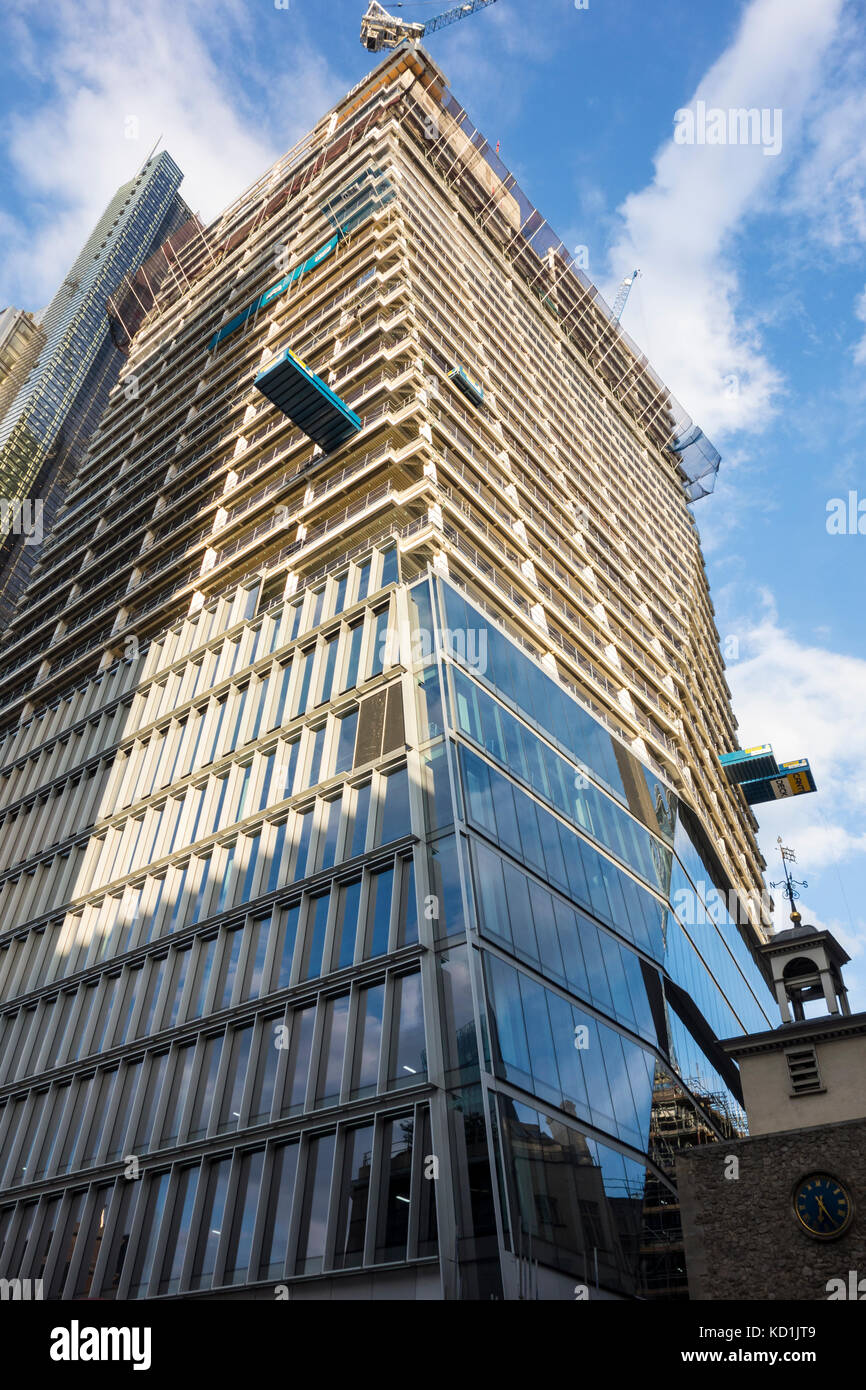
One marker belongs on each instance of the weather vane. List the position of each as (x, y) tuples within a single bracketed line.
[(790, 885)]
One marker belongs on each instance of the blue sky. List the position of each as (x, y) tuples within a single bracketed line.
[(751, 304)]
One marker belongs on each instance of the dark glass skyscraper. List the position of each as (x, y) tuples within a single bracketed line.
[(370, 888), (47, 424)]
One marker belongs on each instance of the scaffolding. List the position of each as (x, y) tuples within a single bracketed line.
[(464, 158)]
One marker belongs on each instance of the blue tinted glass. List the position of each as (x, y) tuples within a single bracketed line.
[(509, 1028), (286, 948), (318, 744), (379, 911), (356, 634), (317, 919), (252, 842), (390, 567), (330, 662), (347, 924), (303, 832), (380, 630), (371, 1006), (542, 1054), (277, 858), (396, 814), (408, 925), (359, 829), (340, 598), (333, 812), (347, 728), (307, 659), (545, 931)]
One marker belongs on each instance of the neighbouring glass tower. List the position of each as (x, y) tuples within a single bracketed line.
[(372, 900), (52, 401)]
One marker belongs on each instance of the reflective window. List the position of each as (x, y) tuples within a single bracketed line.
[(347, 728), (298, 1068), (331, 816), (408, 1064), (154, 1199), (317, 920), (348, 903), (206, 1088), (351, 1222), (279, 1211), (333, 1049), (178, 1230), (240, 1042), (180, 1083), (396, 818), (243, 1224), (210, 1228), (288, 930), (395, 1191), (314, 1213), (379, 911), (371, 1006)]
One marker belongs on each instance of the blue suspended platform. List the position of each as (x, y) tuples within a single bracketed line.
[(761, 778), (307, 401)]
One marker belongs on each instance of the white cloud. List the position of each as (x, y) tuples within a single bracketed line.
[(681, 229), (808, 702), (183, 72)]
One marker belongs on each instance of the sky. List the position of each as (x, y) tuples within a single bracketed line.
[(614, 116)]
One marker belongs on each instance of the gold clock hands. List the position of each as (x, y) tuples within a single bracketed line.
[(824, 1210)]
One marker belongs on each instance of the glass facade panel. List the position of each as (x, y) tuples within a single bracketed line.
[(351, 1222)]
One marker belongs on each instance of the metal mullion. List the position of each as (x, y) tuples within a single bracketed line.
[(390, 1021), (18, 1217), (252, 1072), (35, 1107), (49, 1040), (228, 1220), (79, 1253), (165, 1224), (374, 1200), (55, 1249), (416, 1182), (301, 1174), (261, 1218), (227, 1058), (111, 1220), (33, 1240), (315, 1054)]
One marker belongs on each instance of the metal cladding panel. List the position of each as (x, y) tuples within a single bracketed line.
[(306, 400)]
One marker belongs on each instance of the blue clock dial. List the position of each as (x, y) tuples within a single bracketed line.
[(823, 1206)]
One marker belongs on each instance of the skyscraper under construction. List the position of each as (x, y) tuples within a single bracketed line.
[(55, 390), (367, 864)]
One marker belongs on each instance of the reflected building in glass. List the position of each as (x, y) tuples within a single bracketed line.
[(362, 832)]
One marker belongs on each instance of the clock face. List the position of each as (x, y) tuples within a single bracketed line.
[(823, 1206)]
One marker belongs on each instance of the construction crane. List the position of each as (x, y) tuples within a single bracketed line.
[(622, 295), (379, 29)]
